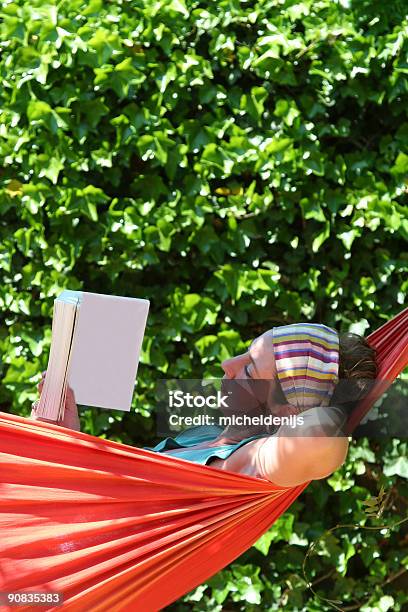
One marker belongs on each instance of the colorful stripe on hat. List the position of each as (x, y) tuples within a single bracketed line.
[(307, 362)]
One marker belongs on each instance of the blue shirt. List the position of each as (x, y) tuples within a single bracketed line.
[(197, 435)]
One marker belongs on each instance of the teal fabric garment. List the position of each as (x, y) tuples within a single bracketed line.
[(196, 435)]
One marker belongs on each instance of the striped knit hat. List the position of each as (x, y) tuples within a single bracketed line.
[(307, 363)]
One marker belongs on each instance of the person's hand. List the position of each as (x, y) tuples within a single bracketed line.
[(71, 418)]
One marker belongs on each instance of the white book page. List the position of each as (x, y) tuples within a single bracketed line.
[(106, 348), (52, 400)]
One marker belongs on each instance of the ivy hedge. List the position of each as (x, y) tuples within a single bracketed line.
[(242, 165)]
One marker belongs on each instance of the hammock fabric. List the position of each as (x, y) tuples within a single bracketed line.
[(113, 527)]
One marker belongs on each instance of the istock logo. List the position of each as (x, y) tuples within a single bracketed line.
[(177, 399)]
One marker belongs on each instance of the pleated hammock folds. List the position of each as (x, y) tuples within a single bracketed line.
[(113, 527)]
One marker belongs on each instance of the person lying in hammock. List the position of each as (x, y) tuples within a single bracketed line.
[(304, 365)]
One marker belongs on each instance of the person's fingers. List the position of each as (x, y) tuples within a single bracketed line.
[(70, 402)]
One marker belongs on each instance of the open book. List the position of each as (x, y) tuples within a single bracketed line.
[(95, 348)]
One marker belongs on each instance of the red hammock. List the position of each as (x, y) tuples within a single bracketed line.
[(113, 527)]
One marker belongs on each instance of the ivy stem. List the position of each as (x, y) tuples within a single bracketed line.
[(313, 545)]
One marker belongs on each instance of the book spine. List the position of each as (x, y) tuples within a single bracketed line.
[(61, 410)]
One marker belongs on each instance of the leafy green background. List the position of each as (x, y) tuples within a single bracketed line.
[(242, 165)]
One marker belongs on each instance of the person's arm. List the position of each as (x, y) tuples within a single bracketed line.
[(289, 460), (71, 418)]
